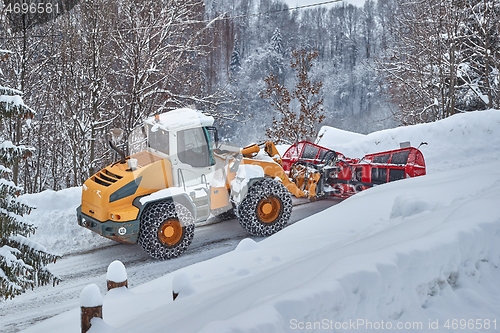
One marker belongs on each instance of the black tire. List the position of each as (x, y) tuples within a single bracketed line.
[(156, 220), (224, 215), (276, 200)]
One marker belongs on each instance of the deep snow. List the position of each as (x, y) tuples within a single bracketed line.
[(416, 255)]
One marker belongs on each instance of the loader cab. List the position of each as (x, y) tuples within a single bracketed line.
[(185, 140), (190, 146)]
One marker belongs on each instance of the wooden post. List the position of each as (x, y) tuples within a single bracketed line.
[(116, 276), (113, 284), (88, 314), (91, 306)]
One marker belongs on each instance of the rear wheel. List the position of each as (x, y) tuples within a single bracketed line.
[(266, 208), (166, 230)]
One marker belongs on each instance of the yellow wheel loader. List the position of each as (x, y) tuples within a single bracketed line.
[(181, 176)]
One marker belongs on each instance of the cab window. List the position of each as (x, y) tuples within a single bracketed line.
[(158, 140), (192, 147)]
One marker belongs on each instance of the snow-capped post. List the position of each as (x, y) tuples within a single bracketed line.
[(91, 305), (116, 276)]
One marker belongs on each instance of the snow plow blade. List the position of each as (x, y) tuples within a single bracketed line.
[(342, 176)]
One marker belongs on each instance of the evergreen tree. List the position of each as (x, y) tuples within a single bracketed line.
[(277, 41), (235, 63), (277, 60), (22, 261)]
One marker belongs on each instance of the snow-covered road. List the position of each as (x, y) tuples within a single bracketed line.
[(79, 269)]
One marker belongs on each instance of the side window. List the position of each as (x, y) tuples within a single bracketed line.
[(379, 175), (192, 147), (400, 157), (158, 140), (381, 158), (310, 152), (395, 174)]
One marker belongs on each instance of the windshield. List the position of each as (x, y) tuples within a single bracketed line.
[(193, 147)]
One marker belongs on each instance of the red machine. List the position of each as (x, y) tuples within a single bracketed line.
[(342, 176)]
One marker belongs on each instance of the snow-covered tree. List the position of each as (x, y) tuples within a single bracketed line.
[(292, 124), (22, 261), (277, 41), (235, 63), (480, 72), (447, 65)]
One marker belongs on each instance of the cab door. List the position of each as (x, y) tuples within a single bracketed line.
[(193, 162)]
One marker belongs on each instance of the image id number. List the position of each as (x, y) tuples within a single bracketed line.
[(471, 324), (31, 8)]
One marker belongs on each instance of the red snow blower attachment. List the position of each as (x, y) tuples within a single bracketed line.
[(342, 176)]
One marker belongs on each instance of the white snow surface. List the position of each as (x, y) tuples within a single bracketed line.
[(337, 136), (55, 219), (245, 173), (416, 255), (180, 119), (182, 285), (116, 272), (90, 296)]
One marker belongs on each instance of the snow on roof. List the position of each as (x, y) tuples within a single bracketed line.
[(332, 135), (180, 119)]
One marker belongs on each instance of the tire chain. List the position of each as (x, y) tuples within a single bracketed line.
[(151, 219), (247, 210)]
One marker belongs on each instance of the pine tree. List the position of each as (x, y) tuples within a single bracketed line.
[(22, 261), (235, 63), (277, 41), (277, 60)]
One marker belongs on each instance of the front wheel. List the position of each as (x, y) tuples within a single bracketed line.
[(266, 208), (167, 229)]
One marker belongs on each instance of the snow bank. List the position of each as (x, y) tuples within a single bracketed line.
[(460, 140), (246, 244), (55, 219), (182, 285), (421, 251), (332, 135)]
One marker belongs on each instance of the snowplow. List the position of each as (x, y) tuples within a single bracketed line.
[(178, 175), (343, 176)]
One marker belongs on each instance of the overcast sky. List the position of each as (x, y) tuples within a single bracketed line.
[(295, 3)]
